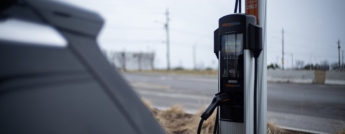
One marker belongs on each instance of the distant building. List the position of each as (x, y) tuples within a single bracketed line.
[(131, 60)]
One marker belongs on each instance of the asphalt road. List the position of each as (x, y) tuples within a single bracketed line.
[(312, 107)]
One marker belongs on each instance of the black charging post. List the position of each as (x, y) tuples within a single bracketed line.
[(237, 44)]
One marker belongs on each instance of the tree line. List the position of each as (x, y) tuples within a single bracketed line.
[(300, 65)]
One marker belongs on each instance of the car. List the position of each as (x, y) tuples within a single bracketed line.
[(67, 86)]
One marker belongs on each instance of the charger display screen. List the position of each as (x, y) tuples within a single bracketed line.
[(232, 55)]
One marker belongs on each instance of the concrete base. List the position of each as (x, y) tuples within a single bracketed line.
[(335, 82), (304, 81), (306, 76)]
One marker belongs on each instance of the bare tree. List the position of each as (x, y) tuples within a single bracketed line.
[(133, 60), (139, 56), (273, 66), (151, 57), (324, 65), (309, 67), (299, 64), (335, 66), (200, 66), (122, 60)]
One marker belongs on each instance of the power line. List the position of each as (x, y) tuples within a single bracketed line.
[(192, 33), (302, 53), (309, 38), (311, 41), (306, 47)]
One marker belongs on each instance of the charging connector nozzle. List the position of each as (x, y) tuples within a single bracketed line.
[(218, 99)]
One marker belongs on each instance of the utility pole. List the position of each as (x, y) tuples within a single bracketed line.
[(342, 60), (339, 52), (291, 61), (194, 59), (283, 48), (167, 40)]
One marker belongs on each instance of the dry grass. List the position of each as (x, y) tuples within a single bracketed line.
[(342, 130), (176, 121), (273, 128)]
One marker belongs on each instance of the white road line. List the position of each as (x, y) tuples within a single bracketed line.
[(149, 85), (202, 80), (174, 95)]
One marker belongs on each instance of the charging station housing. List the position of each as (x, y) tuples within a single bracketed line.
[(236, 72)]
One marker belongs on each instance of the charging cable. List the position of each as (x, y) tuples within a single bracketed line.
[(218, 100), (238, 4), (256, 55)]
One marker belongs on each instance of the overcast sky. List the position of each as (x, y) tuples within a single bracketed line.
[(312, 28)]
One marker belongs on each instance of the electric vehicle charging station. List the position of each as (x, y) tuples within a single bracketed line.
[(236, 69), (235, 42), (238, 42), (237, 45), (241, 100)]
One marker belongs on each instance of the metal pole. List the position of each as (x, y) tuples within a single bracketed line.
[(167, 41), (292, 60), (342, 60), (194, 57), (260, 13), (339, 52), (283, 48), (262, 70), (310, 63)]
